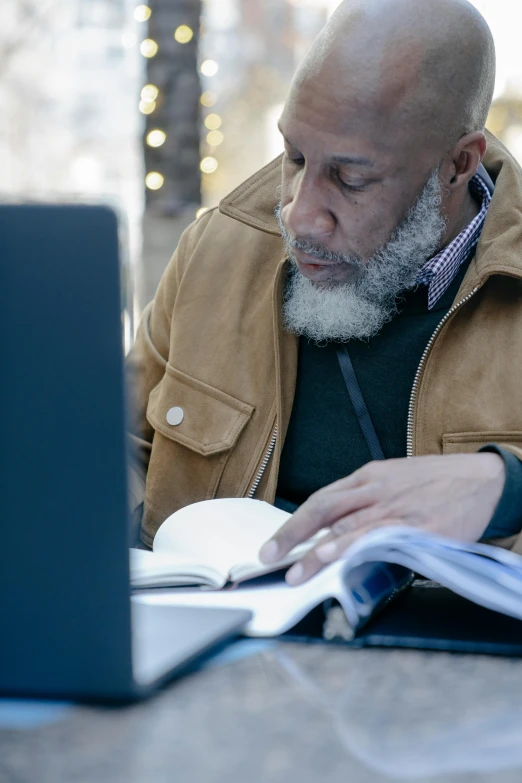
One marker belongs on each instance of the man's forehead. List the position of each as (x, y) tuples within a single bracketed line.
[(345, 137)]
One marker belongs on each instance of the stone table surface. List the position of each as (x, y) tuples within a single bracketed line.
[(283, 712)]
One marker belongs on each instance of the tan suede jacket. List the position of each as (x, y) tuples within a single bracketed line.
[(212, 344)]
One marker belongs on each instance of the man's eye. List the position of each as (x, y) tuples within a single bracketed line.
[(352, 187)]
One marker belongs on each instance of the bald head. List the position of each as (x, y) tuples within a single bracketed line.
[(424, 65)]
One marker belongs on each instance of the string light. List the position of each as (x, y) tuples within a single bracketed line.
[(155, 138), (214, 138), (183, 34), (142, 13), (147, 107), (149, 93), (213, 121), (208, 165), (148, 47), (154, 180), (208, 98), (201, 211), (209, 67)]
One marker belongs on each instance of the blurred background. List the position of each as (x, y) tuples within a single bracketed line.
[(161, 109)]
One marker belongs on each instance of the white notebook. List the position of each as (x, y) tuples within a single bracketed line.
[(211, 543)]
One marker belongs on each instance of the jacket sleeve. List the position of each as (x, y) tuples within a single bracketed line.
[(507, 519), (505, 527), (145, 367)]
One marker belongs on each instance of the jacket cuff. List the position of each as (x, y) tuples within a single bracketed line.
[(507, 519)]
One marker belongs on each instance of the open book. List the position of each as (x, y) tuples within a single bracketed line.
[(372, 572), (211, 543)]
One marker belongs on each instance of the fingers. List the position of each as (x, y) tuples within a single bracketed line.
[(329, 551), (321, 510), (308, 566), (331, 548)]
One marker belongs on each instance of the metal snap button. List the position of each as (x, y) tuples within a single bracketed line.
[(175, 416)]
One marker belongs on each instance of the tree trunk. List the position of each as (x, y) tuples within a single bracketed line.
[(174, 71)]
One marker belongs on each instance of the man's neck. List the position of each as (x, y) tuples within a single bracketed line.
[(469, 210)]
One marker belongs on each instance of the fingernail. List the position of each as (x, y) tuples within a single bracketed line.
[(294, 576), (327, 552), (268, 552)]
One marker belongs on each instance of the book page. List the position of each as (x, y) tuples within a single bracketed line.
[(485, 574), (219, 534), (242, 571), (276, 606), (150, 569)]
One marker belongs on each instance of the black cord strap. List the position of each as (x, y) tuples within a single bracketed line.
[(354, 390)]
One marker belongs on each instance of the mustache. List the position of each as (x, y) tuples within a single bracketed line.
[(312, 248)]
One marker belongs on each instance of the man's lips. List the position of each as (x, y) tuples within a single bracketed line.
[(312, 261), (320, 271), (316, 271)]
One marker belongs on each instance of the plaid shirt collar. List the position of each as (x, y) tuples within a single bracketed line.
[(439, 272)]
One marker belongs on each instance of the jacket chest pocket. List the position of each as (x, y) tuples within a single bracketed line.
[(469, 442), (196, 428)]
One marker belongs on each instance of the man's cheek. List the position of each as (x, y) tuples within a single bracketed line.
[(365, 234)]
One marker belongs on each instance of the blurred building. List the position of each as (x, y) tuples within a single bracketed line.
[(255, 48), (70, 74)]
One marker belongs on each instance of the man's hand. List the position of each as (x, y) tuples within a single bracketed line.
[(453, 495)]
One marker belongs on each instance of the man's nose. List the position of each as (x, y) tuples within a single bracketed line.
[(306, 214)]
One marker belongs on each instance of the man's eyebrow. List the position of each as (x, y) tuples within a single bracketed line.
[(352, 160), (342, 160)]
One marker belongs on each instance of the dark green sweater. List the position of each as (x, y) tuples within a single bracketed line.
[(324, 441)]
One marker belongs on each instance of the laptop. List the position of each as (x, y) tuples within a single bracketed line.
[(68, 628)]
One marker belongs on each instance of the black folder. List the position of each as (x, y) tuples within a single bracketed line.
[(428, 618)]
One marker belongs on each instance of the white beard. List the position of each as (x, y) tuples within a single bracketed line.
[(359, 309)]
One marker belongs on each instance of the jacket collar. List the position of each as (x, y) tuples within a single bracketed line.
[(499, 250), (500, 247), (254, 201)]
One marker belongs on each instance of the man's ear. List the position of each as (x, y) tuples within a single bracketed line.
[(465, 158)]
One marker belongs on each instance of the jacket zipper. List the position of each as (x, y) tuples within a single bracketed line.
[(266, 460), (413, 399), (415, 389)]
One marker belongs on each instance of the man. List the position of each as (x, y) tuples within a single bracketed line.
[(390, 240)]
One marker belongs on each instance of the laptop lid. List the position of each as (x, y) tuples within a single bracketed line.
[(64, 581)]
